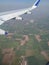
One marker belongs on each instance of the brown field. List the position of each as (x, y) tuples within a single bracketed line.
[(38, 38), (8, 57), (22, 41), (45, 55), (25, 39), (29, 53), (9, 54), (48, 43), (9, 36)]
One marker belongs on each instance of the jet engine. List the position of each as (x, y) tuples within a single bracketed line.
[(19, 18), (2, 32), (28, 12)]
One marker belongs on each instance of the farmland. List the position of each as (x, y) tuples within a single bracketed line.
[(25, 39)]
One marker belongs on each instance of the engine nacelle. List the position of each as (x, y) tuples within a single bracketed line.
[(2, 32), (19, 18), (28, 12)]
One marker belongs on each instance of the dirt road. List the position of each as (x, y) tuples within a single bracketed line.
[(25, 39), (38, 38), (24, 61)]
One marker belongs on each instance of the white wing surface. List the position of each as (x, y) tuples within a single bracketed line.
[(16, 13)]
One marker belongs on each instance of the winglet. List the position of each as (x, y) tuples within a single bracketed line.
[(36, 3)]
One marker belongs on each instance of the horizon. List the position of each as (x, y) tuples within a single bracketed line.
[(6, 5)]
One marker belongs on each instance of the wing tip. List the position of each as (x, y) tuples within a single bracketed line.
[(6, 33), (37, 2)]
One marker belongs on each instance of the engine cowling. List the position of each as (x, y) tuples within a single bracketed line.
[(19, 18), (2, 32), (28, 12)]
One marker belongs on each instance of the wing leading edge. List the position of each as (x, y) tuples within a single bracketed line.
[(15, 14), (8, 16)]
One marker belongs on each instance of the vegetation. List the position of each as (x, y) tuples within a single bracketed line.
[(33, 45)]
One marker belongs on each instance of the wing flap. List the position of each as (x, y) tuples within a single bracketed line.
[(1, 22), (14, 14)]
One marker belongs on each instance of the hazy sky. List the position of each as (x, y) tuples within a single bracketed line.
[(15, 1), (6, 5), (41, 12), (19, 1)]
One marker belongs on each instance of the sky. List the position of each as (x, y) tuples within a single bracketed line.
[(19, 1), (6, 5), (15, 1), (41, 12)]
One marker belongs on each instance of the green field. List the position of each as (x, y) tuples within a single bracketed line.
[(33, 46)]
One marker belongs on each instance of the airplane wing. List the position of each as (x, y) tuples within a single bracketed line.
[(16, 14)]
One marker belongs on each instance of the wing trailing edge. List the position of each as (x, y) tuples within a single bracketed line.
[(1, 22)]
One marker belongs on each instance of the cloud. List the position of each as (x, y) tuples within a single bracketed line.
[(31, 21), (27, 23)]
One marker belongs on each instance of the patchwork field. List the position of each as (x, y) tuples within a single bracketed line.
[(26, 42)]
